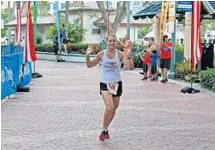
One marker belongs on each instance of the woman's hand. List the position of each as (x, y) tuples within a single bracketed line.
[(90, 50)]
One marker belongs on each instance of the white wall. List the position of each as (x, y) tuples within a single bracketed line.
[(41, 32), (89, 26), (122, 31)]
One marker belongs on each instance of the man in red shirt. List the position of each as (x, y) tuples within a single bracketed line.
[(165, 57)]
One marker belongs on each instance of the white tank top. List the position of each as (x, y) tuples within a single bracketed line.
[(110, 68)]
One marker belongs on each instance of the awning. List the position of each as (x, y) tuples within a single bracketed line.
[(154, 8)]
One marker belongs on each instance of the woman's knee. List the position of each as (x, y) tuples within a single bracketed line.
[(110, 109)]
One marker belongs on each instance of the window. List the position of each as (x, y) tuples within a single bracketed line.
[(63, 5), (96, 31)]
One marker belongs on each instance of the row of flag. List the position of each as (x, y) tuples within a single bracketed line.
[(29, 47)]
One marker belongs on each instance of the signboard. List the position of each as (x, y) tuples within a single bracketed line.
[(184, 6), (163, 17), (171, 16)]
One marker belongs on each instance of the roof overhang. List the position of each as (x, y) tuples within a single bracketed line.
[(45, 20), (207, 11)]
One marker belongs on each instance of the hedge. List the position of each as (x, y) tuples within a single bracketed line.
[(208, 79), (49, 47)]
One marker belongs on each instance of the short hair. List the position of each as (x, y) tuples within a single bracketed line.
[(165, 36), (113, 35), (63, 25), (152, 38)]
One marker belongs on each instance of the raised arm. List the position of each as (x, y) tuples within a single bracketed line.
[(127, 60), (95, 61)]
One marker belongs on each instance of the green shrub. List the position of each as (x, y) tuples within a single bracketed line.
[(79, 46), (179, 53), (39, 40), (183, 71), (208, 79), (137, 61), (48, 47)]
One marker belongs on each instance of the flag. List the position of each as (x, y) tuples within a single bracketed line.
[(18, 25), (196, 47), (57, 20), (29, 49), (163, 17)]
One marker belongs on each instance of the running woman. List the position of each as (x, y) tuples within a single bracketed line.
[(111, 84)]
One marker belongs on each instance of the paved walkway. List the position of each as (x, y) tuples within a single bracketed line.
[(64, 111)]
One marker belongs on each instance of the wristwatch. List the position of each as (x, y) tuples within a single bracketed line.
[(129, 56)]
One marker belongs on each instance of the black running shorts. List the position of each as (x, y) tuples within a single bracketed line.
[(103, 87), (165, 63)]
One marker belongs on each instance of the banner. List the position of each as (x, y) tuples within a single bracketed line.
[(9, 74), (163, 17), (25, 74), (13, 72)]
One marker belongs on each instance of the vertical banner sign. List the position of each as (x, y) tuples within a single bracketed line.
[(163, 17), (171, 16)]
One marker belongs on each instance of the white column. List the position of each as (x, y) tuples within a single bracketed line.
[(156, 30), (187, 35)]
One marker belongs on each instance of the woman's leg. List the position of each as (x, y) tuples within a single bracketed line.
[(109, 109), (149, 70), (145, 70), (116, 101)]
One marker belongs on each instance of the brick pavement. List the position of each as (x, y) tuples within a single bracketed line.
[(64, 111)]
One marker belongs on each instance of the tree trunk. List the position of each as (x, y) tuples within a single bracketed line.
[(120, 15), (67, 14)]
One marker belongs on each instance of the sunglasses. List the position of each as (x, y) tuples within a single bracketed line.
[(111, 41)]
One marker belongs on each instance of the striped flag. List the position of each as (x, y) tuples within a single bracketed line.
[(196, 47), (18, 25), (29, 49)]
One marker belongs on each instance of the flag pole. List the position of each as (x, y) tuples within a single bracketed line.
[(57, 21), (34, 74), (195, 44), (35, 25)]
